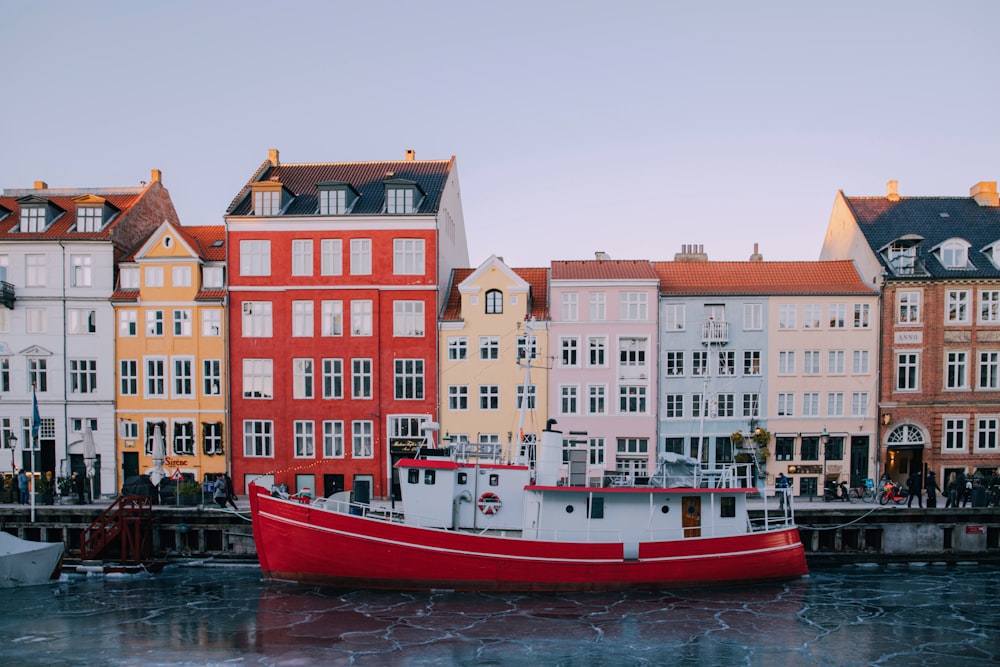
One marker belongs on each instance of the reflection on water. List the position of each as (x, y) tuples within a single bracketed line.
[(199, 616)]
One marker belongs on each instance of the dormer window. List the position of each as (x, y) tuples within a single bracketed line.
[(494, 302), (954, 254), (93, 213), (901, 255), (129, 278), (269, 198), (33, 218), (212, 277), (402, 196), (336, 197)]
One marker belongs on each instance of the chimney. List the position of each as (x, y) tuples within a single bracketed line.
[(41, 185), (985, 193), (892, 190), (691, 252), (156, 176), (756, 256), (411, 155), (272, 157), (602, 256)]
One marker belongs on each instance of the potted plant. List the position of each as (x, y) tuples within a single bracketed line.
[(762, 437), (188, 492), (66, 490), (737, 438)]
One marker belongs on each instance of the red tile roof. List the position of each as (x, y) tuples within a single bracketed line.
[(763, 278), (122, 199), (603, 269), (209, 241), (537, 279)]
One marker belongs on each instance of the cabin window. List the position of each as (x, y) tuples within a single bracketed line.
[(494, 480), (728, 506), (665, 509), (463, 478), (569, 509), (595, 508), (412, 476), (429, 476)]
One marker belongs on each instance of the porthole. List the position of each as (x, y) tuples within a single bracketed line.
[(569, 509), (665, 509)]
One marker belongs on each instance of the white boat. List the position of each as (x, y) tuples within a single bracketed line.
[(25, 563)]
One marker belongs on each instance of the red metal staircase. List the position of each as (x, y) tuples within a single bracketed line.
[(129, 522)]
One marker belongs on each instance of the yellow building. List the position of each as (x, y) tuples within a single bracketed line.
[(170, 352), (484, 327)]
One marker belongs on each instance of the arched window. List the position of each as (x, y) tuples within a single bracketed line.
[(906, 434), (954, 254), (494, 302)]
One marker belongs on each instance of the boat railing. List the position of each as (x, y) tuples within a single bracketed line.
[(483, 452)]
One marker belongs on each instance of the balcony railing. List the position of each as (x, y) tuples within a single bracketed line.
[(714, 331), (7, 295)]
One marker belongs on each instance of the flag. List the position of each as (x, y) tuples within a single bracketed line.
[(36, 420)]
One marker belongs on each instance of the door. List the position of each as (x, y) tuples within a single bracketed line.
[(332, 484), (130, 464), (691, 519), (859, 461)]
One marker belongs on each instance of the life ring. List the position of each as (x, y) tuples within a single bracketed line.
[(489, 503)]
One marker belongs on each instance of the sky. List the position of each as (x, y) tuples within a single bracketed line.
[(630, 128)]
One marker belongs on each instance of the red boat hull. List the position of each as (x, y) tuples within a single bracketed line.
[(312, 546)]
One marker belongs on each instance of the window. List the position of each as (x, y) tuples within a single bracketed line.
[(333, 378), (568, 395), (786, 405), (332, 201), (810, 361), (784, 448), (128, 377), (489, 347), (725, 405), (361, 317), (810, 404), (862, 316), (786, 316), (81, 321), (838, 315), (302, 319), (986, 433), (957, 306), (182, 323), (489, 397), (38, 374), (361, 378), (33, 218), (674, 363), (632, 306), (257, 319), (956, 370), (909, 308), (598, 306), (333, 318), (751, 362), (333, 439), (409, 379), (362, 439), (408, 318), (597, 399), (673, 406), (34, 270), (211, 438), (408, 257), (211, 377), (673, 317), (183, 438), (570, 351), (570, 308), (989, 306), (258, 378), (530, 396), (180, 276), (258, 437), (156, 377), (129, 278), (89, 218), (751, 405), (305, 438), (836, 360), (302, 257), (786, 362), (81, 270), (632, 352), (212, 277), (154, 322), (494, 302), (954, 254), (127, 323), (698, 407), (154, 276), (835, 404), (810, 448), (860, 364), (211, 322), (727, 362), (183, 377), (906, 371), (753, 316), (699, 363), (597, 351), (954, 433), (302, 378), (399, 200), (361, 257), (458, 397), (902, 257), (266, 202), (527, 348), (859, 403), (128, 430), (331, 257), (812, 316), (632, 399), (458, 348), (989, 370), (255, 258)]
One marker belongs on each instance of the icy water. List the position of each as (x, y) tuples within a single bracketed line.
[(930, 615)]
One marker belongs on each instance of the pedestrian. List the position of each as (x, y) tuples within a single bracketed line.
[(932, 489), (230, 492), (951, 491), (219, 492), (22, 485), (914, 488), (960, 486), (781, 484), (78, 486)]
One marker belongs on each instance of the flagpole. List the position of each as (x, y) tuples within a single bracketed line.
[(36, 425)]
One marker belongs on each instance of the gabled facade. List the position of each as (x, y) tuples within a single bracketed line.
[(603, 341), (337, 272), (59, 250), (170, 352), (486, 328), (936, 261)]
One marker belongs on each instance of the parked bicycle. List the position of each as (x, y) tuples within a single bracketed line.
[(865, 493)]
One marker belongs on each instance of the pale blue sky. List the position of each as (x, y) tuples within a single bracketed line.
[(627, 127)]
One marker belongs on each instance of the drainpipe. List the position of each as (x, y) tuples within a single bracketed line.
[(65, 375)]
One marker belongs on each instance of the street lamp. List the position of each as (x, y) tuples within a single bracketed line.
[(825, 439), (11, 441)]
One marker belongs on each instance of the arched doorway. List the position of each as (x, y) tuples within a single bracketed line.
[(904, 451)]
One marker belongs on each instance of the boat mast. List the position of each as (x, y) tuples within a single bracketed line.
[(529, 347)]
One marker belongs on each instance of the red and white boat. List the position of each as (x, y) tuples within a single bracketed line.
[(476, 523)]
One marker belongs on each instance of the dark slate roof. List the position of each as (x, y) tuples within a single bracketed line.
[(760, 278), (367, 178), (883, 221)]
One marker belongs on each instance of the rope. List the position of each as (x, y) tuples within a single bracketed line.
[(841, 525)]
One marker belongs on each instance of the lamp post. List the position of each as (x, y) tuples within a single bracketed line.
[(12, 443), (825, 440)]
